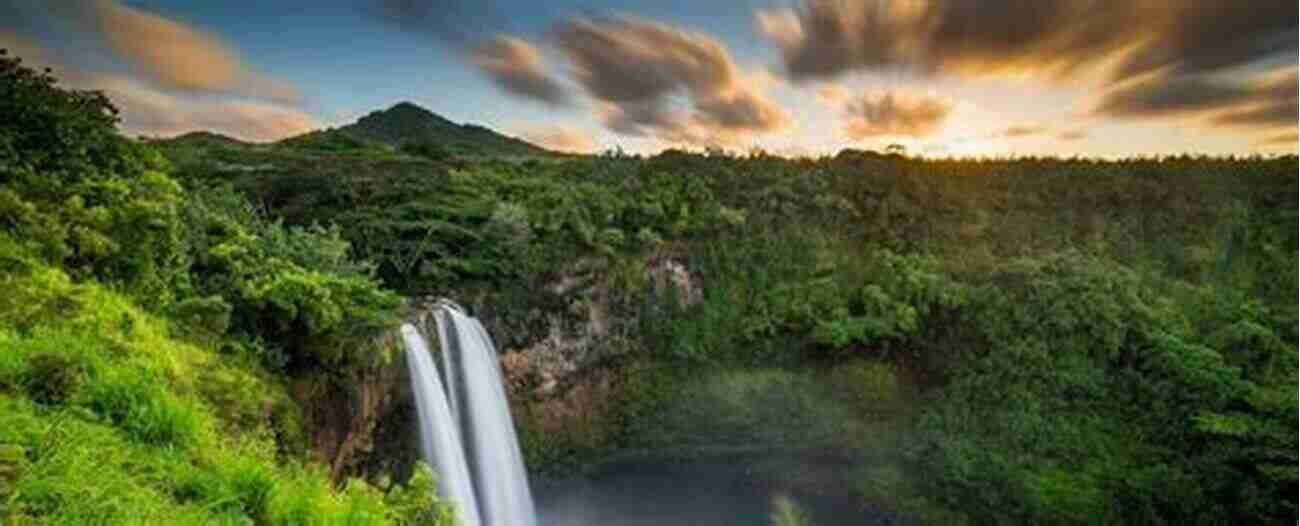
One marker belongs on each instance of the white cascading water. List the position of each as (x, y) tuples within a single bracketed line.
[(440, 441), (471, 443)]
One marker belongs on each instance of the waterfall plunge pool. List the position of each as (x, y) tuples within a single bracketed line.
[(695, 493)]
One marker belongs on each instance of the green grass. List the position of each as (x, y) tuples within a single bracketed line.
[(110, 420)]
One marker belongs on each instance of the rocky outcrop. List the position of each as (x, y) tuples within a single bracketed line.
[(362, 426), (592, 331), (561, 378)]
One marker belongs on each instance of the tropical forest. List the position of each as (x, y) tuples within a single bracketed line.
[(399, 319)]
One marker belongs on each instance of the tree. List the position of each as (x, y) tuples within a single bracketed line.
[(79, 193)]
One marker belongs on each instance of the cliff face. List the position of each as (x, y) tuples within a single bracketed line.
[(563, 378), (362, 426)]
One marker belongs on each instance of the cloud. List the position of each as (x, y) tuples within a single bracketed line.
[(172, 54), (1265, 102), (146, 110), (1072, 135), (1023, 130), (833, 94), (458, 23), (1152, 58), (894, 113), (1288, 140), (149, 112), (740, 110), (825, 38), (561, 138), (1272, 101), (31, 54), (516, 66), (639, 71)]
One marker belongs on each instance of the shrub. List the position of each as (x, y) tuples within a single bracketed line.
[(79, 194), (143, 409), (51, 378), (786, 512), (294, 289)]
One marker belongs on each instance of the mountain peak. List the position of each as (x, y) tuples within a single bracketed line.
[(405, 115), (408, 123), (203, 137)]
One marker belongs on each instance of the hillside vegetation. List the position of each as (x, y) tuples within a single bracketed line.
[(419, 132), (1038, 341), (147, 330), (1071, 340)]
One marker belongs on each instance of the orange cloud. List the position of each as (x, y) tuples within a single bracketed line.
[(174, 54), (147, 111), (635, 69), (1266, 103), (894, 114), (516, 66), (1023, 130), (1288, 140), (1155, 58), (562, 139), (1072, 135), (825, 38)]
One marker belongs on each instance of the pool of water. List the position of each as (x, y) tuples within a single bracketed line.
[(683, 494)]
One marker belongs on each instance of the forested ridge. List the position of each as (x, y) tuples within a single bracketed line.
[(975, 341)]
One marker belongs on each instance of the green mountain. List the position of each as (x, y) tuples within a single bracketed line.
[(411, 128), (205, 139)]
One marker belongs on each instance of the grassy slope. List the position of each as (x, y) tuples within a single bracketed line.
[(147, 331), (107, 419)]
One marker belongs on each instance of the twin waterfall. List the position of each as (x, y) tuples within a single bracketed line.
[(466, 433)]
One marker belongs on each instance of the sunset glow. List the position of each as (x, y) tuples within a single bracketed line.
[(942, 77)]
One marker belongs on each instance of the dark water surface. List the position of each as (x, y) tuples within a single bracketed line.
[(682, 494)]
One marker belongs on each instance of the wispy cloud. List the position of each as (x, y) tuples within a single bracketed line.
[(1151, 58), (1023, 130), (635, 69), (825, 38), (516, 66), (892, 113), (145, 109), (561, 138), (458, 23), (171, 53), (1288, 140), (1072, 135), (1265, 102)]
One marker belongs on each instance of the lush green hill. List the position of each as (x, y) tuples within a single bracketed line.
[(412, 128), (205, 139)]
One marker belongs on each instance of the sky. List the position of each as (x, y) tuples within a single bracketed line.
[(1103, 78)]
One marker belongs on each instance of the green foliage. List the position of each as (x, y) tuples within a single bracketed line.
[(900, 292), (983, 341), (295, 289), (50, 378), (406, 123), (786, 512), (79, 194), (153, 430), (1090, 392), (106, 417), (410, 504)]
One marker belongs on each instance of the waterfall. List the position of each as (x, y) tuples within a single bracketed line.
[(466, 432)]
